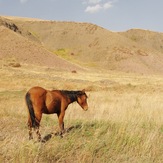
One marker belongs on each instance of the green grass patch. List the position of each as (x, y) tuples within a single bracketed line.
[(62, 52)]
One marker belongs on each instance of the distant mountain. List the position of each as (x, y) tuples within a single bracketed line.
[(66, 44)]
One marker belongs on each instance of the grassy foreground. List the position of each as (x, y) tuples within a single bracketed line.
[(91, 142), (133, 136), (123, 123)]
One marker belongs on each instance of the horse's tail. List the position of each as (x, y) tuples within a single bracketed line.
[(31, 110)]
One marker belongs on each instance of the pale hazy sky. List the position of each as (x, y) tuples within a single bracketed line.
[(115, 15)]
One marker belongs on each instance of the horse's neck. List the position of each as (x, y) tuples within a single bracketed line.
[(71, 95)]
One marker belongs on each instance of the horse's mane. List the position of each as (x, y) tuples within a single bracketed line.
[(72, 95)]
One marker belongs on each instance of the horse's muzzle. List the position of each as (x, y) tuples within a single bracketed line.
[(85, 108)]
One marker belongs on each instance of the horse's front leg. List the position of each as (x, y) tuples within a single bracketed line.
[(61, 122)]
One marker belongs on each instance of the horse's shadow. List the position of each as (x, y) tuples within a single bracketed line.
[(67, 130)]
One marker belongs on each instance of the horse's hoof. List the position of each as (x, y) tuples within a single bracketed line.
[(30, 138), (39, 140), (43, 141)]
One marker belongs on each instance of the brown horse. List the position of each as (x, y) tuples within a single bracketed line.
[(40, 100)]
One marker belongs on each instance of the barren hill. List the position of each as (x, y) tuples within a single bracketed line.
[(85, 44), (17, 44)]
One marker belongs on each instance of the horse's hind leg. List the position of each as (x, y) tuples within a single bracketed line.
[(38, 117), (30, 129), (30, 133), (38, 133)]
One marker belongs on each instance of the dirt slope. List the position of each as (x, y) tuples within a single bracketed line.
[(14, 46), (88, 45)]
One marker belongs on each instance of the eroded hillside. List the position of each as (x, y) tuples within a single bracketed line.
[(84, 44)]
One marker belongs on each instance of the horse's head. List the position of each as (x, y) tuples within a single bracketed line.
[(82, 100)]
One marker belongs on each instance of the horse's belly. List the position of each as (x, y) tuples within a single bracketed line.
[(48, 111), (51, 108), (53, 105)]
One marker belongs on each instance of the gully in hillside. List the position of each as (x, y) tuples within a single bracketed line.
[(40, 100)]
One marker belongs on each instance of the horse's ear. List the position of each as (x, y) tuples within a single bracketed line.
[(83, 91)]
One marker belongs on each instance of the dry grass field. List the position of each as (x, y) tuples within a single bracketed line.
[(124, 122)]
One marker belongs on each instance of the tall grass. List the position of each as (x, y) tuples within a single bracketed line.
[(121, 128)]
